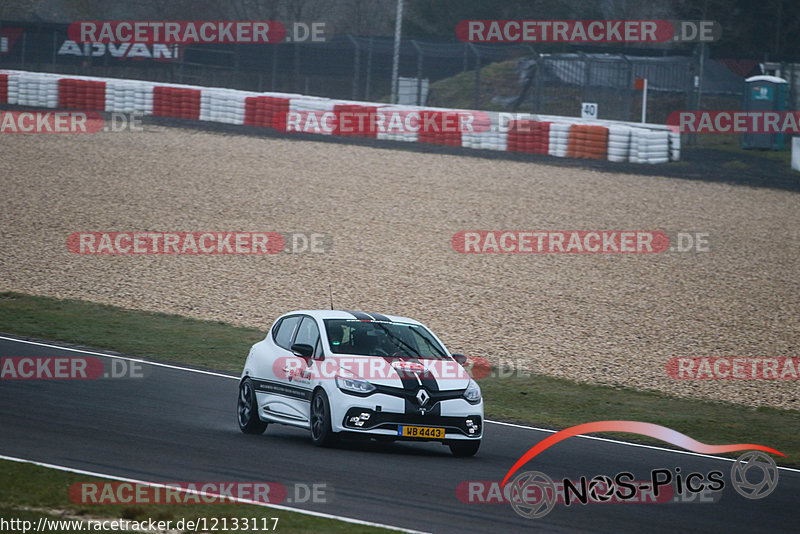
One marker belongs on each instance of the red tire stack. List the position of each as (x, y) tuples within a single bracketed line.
[(176, 102)]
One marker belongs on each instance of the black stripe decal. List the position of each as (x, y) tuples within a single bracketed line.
[(411, 385), (361, 316), (380, 317)]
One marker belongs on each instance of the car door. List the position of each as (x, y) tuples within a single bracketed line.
[(296, 378), (279, 396)]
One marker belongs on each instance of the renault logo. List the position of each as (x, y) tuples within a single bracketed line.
[(423, 397)]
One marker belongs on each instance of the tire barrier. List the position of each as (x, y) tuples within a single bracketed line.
[(81, 94), (674, 146), (127, 96), (220, 105), (286, 112), (3, 88), (559, 139), (650, 147), (439, 128), (585, 141), (619, 140), (311, 115), (33, 89), (177, 102), (529, 136), (267, 111), (390, 132), (353, 120), (489, 133)]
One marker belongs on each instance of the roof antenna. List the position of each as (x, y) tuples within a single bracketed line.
[(330, 290)]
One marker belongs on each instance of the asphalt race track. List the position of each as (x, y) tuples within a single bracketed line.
[(178, 425)]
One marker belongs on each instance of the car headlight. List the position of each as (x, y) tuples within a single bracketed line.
[(354, 385), (473, 392)]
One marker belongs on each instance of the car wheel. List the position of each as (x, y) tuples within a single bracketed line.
[(322, 434), (247, 410), (464, 448)]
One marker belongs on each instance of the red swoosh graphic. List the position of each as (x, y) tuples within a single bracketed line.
[(635, 427)]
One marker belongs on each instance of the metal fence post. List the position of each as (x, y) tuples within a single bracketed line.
[(398, 33), (419, 72), (236, 74), (538, 86), (356, 67), (691, 94), (180, 66), (296, 69), (530, 78), (586, 74), (702, 66), (55, 46), (629, 87), (369, 68), (477, 75), (88, 64), (537, 82), (274, 67), (792, 79)]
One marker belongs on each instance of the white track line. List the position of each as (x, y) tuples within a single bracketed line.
[(139, 360), (502, 423), (206, 494)]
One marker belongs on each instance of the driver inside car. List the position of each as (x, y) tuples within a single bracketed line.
[(364, 343), (373, 342), (335, 335)]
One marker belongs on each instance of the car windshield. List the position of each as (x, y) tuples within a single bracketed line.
[(380, 338)]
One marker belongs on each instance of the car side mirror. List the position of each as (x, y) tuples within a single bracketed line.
[(460, 358), (303, 350)]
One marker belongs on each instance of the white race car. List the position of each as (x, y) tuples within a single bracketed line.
[(356, 374)]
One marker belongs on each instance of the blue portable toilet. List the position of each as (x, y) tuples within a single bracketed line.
[(765, 93)]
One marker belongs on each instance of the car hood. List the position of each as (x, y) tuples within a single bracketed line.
[(444, 375)]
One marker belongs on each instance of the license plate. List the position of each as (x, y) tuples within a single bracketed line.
[(420, 432)]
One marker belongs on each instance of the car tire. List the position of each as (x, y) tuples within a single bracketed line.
[(247, 409), (463, 449), (322, 434)]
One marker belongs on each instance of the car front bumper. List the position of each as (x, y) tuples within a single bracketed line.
[(381, 415)]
